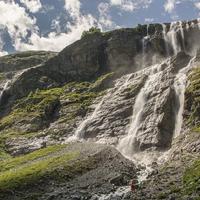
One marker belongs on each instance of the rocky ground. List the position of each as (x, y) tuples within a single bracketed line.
[(94, 170)]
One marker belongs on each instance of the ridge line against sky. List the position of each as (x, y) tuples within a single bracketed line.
[(53, 24)]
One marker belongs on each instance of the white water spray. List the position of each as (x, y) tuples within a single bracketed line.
[(127, 145), (179, 87), (5, 87), (171, 39), (80, 131)]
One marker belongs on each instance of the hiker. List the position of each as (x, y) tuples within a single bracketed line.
[(133, 185)]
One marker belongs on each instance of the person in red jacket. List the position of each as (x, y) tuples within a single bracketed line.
[(133, 185)]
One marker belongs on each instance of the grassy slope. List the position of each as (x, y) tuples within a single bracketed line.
[(191, 178), (38, 108)]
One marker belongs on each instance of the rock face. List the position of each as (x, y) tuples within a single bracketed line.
[(154, 124), (24, 60), (135, 89)]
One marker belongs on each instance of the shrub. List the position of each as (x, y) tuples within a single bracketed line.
[(91, 31)]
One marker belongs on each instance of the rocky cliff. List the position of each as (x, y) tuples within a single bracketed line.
[(114, 106)]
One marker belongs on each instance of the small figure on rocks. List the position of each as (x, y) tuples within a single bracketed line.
[(134, 184)]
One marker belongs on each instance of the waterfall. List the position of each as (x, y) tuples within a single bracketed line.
[(198, 23), (81, 128), (127, 145), (182, 34), (144, 46), (5, 87), (80, 131), (179, 87), (164, 32), (171, 39)]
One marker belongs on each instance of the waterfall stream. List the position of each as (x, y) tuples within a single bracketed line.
[(5, 86), (179, 87), (126, 145), (80, 131)]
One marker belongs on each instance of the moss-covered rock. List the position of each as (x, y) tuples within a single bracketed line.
[(191, 179), (192, 103)]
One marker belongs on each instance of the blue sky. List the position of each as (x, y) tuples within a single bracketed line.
[(54, 24)]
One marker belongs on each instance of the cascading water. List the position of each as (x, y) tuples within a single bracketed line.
[(179, 87), (79, 134), (80, 131), (164, 32), (182, 34), (4, 89), (126, 145), (144, 46), (171, 37)]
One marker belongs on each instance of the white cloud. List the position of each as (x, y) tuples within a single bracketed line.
[(16, 21), (105, 20), (197, 5), (148, 20), (25, 33), (2, 43), (73, 7), (32, 5), (55, 25), (130, 5), (56, 42), (169, 5)]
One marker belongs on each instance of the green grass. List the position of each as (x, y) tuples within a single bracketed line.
[(2, 76), (18, 161), (192, 103), (52, 164), (28, 169), (191, 178), (36, 111)]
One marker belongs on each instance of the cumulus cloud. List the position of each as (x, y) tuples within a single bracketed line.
[(25, 34), (130, 5), (32, 5), (2, 43), (73, 7), (197, 5), (56, 40), (149, 20), (105, 20), (169, 5), (16, 21)]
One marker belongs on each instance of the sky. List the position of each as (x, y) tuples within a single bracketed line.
[(53, 24)]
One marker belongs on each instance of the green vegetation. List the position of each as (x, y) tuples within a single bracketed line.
[(39, 105), (191, 178), (103, 82), (91, 31), (18, 161), (193, 99), (36, 111), (18, 172), (55, 164), (2, 76), (161, 195)]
